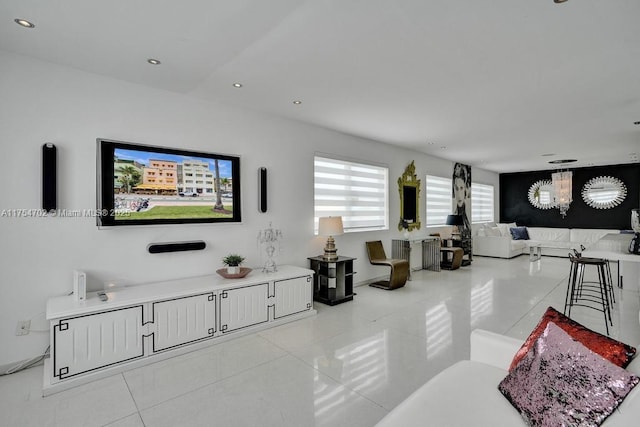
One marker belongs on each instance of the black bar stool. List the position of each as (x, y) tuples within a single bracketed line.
[(612, 295), (590, 294)]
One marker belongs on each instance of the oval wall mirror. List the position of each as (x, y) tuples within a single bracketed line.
[(541, 194), (604, 192)]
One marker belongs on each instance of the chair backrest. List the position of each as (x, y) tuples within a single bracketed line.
[(375, 250)]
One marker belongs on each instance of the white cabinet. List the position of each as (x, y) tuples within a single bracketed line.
[(92, 339), (85, 343), (292, 296), (243, 307), (183, 320)]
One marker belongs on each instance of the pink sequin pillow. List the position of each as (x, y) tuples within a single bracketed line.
[(614, 351), (561, 382)]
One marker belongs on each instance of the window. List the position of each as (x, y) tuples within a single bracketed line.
[(481, 202), (357, 192), (439, 200)]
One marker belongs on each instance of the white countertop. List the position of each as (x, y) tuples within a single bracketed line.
[(140, 294), (614, 247)]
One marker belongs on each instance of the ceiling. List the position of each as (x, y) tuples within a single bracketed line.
[(495, 84)]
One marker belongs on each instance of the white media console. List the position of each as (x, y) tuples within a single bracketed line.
[(142, 324)]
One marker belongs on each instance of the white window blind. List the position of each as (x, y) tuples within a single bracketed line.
[(439, 200), (481, 202), (358, 192)]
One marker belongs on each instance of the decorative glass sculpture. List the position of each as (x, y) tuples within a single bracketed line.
[(269, 239)]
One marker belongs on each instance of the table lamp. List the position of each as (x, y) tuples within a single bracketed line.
[(330, 226), (456, 221)]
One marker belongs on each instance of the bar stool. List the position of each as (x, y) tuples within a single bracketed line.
[(590, 294), (612, 295), (582, 248)]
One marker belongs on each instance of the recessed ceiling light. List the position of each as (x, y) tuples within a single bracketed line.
[(153, 61), (297, 102), (24, 23), (561, 162), (238, 85)]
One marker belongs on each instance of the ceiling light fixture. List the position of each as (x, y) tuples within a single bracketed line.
[(562, 186), (559, 1), (636, 123), (237, 85), (153, 61), (24, 23), (297, 102)]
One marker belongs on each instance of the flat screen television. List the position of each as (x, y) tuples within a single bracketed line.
[(142, 184)]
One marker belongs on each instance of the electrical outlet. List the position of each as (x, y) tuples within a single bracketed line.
[(22, 328)]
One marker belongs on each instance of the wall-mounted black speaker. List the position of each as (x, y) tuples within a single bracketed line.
[(193, 245), (49, 177), (262, 189)]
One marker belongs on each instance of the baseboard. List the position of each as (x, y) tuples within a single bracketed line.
[(370, 281)]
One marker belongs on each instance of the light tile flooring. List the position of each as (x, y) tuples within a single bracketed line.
[(347, 366)]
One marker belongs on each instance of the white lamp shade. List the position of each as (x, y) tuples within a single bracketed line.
[(330, 226)]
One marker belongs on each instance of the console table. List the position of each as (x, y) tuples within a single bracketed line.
[(333, 281), (430, 251), (141, 324)]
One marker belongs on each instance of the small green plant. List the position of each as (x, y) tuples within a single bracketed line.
[(233, 260)]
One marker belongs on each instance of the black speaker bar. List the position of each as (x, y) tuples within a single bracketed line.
[(49, 177), (159, 248), (262, 189)]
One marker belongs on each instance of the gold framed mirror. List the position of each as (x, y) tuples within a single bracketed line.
[(409, 188)]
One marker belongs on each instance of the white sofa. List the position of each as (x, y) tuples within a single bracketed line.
[(553, 241), (466, 393)]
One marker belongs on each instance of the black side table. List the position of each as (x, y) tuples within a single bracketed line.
[(333, 281)]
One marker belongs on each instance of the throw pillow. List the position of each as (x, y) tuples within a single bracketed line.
[(560, 382), (614, 351), (504, 229), (494, 232), (519, 233)]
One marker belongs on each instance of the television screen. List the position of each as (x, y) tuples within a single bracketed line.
[(141, 184)]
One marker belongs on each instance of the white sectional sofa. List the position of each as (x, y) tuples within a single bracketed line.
[(466, 393), (498, 242)]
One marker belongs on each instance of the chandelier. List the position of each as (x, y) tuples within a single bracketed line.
[(562, 197)]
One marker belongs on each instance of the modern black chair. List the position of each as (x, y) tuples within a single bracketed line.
[(399, 267)]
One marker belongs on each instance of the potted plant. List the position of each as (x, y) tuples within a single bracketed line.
[(233, 261)]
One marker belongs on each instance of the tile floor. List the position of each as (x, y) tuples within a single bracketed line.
[(347, 366)]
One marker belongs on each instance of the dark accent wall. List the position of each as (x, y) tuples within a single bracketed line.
[(515, 206)]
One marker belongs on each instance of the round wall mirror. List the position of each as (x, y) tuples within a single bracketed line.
[(541, 194), (604, 192)]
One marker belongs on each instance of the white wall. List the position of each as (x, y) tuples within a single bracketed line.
[(42, 102)]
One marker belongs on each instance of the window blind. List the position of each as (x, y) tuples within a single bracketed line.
[(356, 191), (439, 200), (481, 202)]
